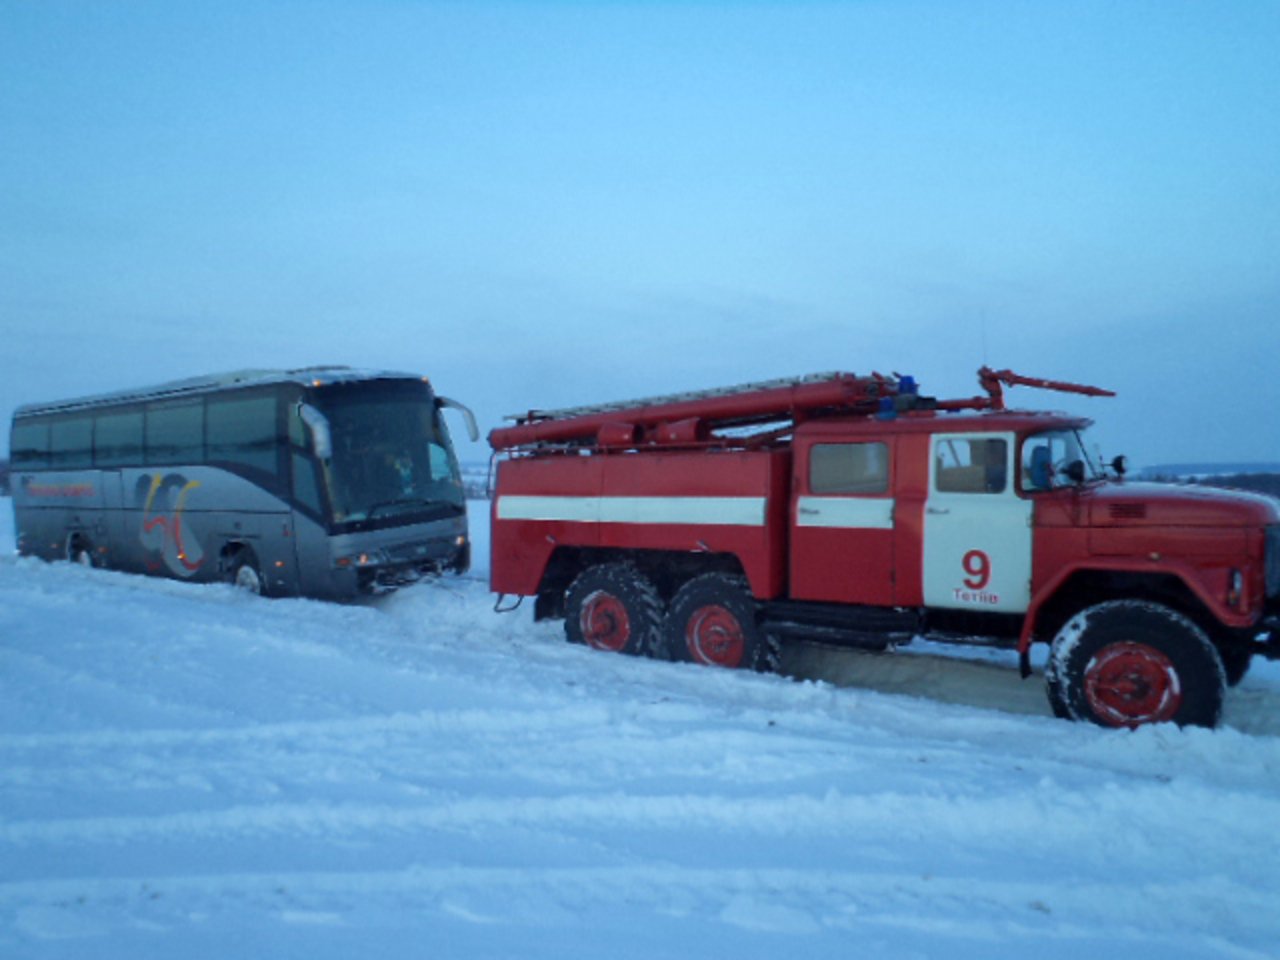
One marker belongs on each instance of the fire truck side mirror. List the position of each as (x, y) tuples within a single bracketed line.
[(1120, 465), (1074, 471)]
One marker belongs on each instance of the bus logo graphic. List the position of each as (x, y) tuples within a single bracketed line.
[(162, 499)]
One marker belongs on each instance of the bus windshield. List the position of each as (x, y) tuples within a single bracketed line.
[(391, 454)]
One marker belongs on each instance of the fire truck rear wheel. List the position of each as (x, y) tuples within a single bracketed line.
[(614, 607), (713, 621), (1126, 663)]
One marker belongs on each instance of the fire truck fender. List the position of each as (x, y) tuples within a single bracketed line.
[(1151, 581)]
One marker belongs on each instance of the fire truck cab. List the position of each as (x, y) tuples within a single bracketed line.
[(715, 526)]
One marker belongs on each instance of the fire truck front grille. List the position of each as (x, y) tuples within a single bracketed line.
[(1273, 561)]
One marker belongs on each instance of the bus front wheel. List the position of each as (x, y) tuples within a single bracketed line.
[(244, 574)]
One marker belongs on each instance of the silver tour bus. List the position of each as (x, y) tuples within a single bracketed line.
[(321, 482)]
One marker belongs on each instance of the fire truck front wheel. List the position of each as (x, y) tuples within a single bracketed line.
[(614, 607), (1126, 663), (713, 621)]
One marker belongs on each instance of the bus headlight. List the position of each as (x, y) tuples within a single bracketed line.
[(367, 559)]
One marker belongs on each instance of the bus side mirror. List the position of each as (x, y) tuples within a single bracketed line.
[(468, 417), (321, 439)]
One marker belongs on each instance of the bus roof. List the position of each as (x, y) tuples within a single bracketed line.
[(210, 383)]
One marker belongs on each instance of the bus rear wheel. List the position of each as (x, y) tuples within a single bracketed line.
[(80, 551)]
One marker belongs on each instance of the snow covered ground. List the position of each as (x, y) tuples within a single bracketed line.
[(187, 772)]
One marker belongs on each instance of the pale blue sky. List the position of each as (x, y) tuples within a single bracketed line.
[(540, 204)]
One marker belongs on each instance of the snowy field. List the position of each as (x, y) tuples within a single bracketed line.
[(188, 772)]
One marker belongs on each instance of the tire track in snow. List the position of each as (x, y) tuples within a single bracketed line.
[(1136, 821), (957, 906)]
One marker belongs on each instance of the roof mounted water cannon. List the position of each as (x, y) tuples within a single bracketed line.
[(994, 382)]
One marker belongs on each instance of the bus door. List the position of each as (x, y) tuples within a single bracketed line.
[(112, 523), (977, 530)]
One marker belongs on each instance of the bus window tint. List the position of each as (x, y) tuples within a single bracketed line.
[(29, 444), (71, 443), (117, 439), (175, 433), (242, 430)]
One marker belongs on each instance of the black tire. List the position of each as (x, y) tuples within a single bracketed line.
[(245, 574), (1126, 663), (80, 551), (616, 608), (714, 620), (1057, 702), (1236, 658)]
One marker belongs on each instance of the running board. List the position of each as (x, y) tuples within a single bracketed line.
[(870, 628)]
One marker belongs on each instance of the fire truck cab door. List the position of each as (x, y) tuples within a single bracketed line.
[(843, 521), (977, 530)]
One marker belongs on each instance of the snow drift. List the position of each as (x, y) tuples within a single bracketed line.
[(186, 771)]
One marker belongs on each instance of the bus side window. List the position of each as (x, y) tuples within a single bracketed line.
[(29, 446), (242, 430), (175, 433), (71, 443), (305, 488), (117, 439)]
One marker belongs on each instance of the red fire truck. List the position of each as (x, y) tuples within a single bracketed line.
[(713, 526)]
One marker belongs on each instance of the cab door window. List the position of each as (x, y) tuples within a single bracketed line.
[(971, 465), (849, 468)]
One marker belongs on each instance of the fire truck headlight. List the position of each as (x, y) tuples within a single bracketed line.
[(1235, 587)]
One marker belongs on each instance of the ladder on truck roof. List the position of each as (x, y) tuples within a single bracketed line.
[(689, 417), (669, 398)]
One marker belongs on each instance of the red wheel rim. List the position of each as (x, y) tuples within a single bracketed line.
[(714, 637), (1129, 684), (604, 622)]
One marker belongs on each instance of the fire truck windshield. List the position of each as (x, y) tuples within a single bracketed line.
[(391, 458), (1046, 457)]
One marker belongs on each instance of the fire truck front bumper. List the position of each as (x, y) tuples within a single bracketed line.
[(1269, 639)]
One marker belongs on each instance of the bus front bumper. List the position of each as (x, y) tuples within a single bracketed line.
[(384, 569)]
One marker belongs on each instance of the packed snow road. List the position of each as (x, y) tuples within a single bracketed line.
[(191, 772)]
